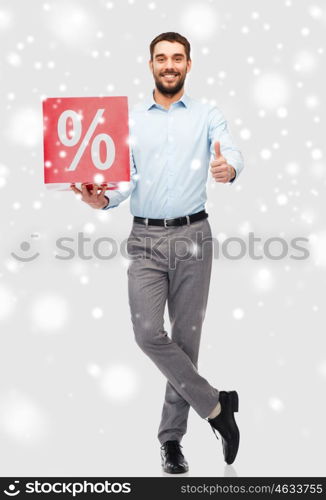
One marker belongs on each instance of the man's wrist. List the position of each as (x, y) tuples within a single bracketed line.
[(108, 201), (234, 172)]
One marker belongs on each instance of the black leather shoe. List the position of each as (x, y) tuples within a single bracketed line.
[(226, 425), (173, 460)]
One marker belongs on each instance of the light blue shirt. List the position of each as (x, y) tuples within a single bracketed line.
[(170, 154)]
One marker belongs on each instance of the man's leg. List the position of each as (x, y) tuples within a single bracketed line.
[(148, 290), (189, 281)]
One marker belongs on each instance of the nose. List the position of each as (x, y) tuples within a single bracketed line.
[(169, 69), (169, 66)]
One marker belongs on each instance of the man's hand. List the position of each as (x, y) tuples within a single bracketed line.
[(221, 170), (91, 195)]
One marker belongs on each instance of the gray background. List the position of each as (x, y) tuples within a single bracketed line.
[(77, 396)]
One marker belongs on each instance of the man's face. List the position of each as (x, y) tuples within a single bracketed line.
[(169, 67)]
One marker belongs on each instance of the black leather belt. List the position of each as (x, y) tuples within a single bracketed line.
[(178, 221)]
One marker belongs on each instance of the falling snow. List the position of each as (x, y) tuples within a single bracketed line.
[(70, 366), (119, 383), (49, 313)]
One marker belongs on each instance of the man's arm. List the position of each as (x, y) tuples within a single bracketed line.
[(116, 196), (219, 131)]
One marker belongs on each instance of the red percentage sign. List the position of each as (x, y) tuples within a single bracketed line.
[(76, 135)]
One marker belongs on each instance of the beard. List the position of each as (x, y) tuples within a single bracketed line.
[(169, 90)]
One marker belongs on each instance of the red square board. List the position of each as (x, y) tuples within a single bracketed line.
[(86, 139)]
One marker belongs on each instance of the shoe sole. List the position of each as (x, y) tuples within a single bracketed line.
[(234, 406), (174, 472), (234, 398)]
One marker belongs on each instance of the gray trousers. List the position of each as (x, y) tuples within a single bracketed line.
[(173, 265)]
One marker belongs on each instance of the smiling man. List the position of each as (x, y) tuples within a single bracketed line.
[(176, 140), (169, 81)]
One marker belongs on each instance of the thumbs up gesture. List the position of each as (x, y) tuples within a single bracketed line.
[(221, 170)]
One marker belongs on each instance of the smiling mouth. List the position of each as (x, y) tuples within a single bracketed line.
[(170, 77)]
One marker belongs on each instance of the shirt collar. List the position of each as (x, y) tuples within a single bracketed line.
[(150, 102)]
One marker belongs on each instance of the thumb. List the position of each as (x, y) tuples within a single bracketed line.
[(217, 149)]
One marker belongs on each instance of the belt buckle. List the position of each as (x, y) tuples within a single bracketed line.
[(165, 222), (187, 217)]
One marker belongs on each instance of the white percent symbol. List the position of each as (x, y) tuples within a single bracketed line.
[(76, 135)]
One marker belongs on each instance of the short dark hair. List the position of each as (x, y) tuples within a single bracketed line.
[(170, 36)]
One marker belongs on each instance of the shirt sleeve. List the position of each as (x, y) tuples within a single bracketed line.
[(219, 131), (116, 196)]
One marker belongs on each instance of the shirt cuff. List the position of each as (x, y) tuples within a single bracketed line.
[(237, 171), (113, 200), (234, 178), (107, 206)]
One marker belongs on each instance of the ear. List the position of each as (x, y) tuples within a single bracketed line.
[(189, 63), (150, 64)]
